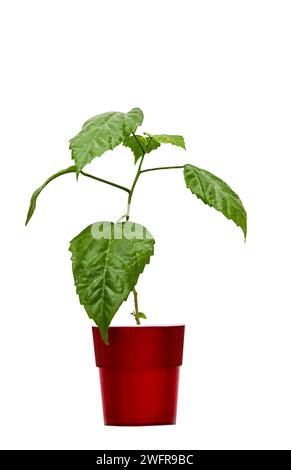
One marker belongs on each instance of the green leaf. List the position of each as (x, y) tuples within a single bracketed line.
[(177, 140), (216, 193), (107, 261), (140, 144), (71, 169), (151, 142), (102, 133), (141, 315)]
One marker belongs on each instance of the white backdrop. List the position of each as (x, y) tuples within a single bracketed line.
[(219, 73)]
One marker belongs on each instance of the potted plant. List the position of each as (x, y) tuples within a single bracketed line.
[(139, 366)]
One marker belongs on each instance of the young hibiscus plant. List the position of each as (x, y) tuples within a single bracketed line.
[(108, 257)]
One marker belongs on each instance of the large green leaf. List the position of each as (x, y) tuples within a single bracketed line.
[(102, 133), (107, 261), (216, 193), (140, 144), (71, 169)]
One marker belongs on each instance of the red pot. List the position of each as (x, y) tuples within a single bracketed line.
[(139, 374)]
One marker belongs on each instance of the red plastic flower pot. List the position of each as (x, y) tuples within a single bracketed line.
[(139, 374)]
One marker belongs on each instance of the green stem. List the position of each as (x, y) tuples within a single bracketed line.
[(162, 168), (136, 306), (136, 177), (105, 181), (133, 187), (135, 297)]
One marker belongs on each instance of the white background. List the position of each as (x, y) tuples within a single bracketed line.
[(219, 73)]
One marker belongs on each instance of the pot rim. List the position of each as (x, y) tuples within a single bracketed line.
[(140, 346), (170, 325)]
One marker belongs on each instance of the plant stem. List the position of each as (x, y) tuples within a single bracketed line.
[(105, 181), (162, 168), (136, 177), (135, 298), (133, 187), (136, 306)]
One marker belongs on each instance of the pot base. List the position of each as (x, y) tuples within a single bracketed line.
[(145, 397)]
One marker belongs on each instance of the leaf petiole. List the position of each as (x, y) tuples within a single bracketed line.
[(162, 168), (105, 181)]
